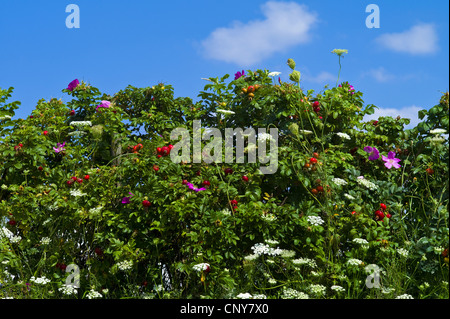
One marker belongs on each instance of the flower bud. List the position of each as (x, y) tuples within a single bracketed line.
[(295, 76), (291, 63)]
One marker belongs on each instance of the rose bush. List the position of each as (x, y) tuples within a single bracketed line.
[(91, 183)]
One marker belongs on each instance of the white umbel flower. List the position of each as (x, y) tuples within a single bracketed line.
[(315, 220), (201, 267), (344, 135)]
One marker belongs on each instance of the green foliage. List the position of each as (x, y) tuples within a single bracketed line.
[(129, 250)]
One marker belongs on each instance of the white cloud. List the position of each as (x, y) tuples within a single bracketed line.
[(410, 112), (286, 24), (322, 77), (380, 74), (420, 39)]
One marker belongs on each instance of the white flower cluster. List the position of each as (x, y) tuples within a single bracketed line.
[(77, 133), (244, 295), (315, 220), (92, 294), (268, 217), (344, 135), (287, 253), (402, 252), (404, 296), (366, 183), (360, 241), (81, 123), (337, 288), (77, 193), (289, 293), (15, 239), (125, 265), (5, 117), (305, 261), (68, 289), (225, 111), (354, 262), (41, 280), (348, 196), (317, 289), (45, 241), (306, 132), (95, 210), (271, 241), (262, 249), (5, 232), (264, 137), (200, 267), (438, 131), (338, 181), (226, 212)]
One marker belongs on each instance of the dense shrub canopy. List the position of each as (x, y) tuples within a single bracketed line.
[(83, 183)]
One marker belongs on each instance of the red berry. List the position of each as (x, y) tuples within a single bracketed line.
[(313, 160), (165, 150), (245, 178), (155, 168), (319, 188), (170, 146), (228, 171), (45, 132), (316, 155), (353, 212), (69, 182), (198, 173), (379, 215), (316, 104), (383, 206), (40, 168), (86, 177), (233, 202), (140, 146), (388, 215), (146, 203), (375, 123), (72, 112), (184, 182), (79, 180), (208, 269), (20, 144), (206, 183), (158, 149), (430, 171), (159, 156), (12, 222)]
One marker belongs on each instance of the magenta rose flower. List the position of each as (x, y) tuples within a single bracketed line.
[(73, 85), (391, 161), (374, 154), (59, 147), (238, 74), (104, 104)]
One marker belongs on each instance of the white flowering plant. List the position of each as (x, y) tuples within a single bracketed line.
[(91, 188)]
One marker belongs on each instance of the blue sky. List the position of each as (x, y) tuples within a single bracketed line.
[(401, 67)]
